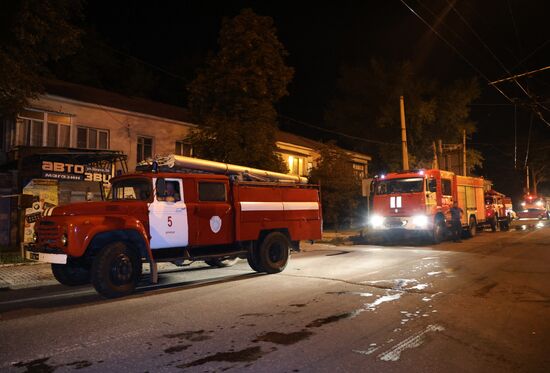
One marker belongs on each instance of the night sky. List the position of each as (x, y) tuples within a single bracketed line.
[(322, 36)]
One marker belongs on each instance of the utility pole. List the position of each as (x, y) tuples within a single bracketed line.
[(527, 181), (442, 161), (436, 160), (464, 168), (404, 135)]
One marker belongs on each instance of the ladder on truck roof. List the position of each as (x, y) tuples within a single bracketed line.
[(180, 163)]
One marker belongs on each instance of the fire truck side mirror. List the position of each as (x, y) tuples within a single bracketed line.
[(161, 187)]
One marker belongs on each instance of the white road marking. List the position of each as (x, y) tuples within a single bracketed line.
[(415, 340)]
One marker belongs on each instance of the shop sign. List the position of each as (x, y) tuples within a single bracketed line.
[(76, 172)]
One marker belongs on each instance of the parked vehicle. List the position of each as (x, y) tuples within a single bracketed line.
[(496, 212), (419, 201), (534, 207), (178, 209)]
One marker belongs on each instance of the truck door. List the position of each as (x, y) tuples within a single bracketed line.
[(168, 224), (213, 213)]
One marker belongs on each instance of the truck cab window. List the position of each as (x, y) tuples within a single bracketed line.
[(212, 192), (170, 192), (131, 189)]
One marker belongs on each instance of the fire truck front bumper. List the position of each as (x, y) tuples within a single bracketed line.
[(418, 223), (46, 255)]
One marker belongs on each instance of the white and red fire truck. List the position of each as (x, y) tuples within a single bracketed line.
[(419, 201), (534, 207), (496, 210), (178, 209)]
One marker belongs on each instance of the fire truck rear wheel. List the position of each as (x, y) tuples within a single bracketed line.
[(254, 260), (116, 270), (274, 252), (494, 223), (71, 274)]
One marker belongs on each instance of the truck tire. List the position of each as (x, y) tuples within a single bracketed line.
[(71, 274), (221, 263), (472, 228), (505, 224), (116, 270), (274, 252), (254, 260), (439, 231)]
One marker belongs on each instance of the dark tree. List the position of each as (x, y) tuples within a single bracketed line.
[(233, 97), (367, 105), (340, 187), (33, 33)]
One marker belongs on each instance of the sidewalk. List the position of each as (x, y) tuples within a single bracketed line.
[(25, 275)]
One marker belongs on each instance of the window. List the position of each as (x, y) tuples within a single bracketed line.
[(171, 191), (295, 165), (211, 192), (446, 187), (359, 170), (411, 185), (92, 138), (144, 148), (58, 135), (30, 132), (139, 189), (184, 148)]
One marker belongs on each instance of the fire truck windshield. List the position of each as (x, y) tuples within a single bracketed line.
[(392, 186), (131, 189)]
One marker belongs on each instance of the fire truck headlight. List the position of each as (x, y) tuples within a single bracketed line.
[(420, 221), (64, 240), (523, 203), (539, 203), (34, 237), (376, 221)]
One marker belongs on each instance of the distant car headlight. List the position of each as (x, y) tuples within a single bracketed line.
[(376, 221), (35, 237), (420, 221), (64, 240), (523, 203), (539, 203)]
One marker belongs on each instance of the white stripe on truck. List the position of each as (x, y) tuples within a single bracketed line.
[(279, 206)]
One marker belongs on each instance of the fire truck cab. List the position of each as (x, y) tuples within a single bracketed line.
[(419, 201), (185, 210)]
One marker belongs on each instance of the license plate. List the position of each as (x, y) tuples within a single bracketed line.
[(46, 257), (34, 256)]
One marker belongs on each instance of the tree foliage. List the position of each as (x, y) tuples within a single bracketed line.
[(367, 105), (32, 33), (340, 186), (233, 97)]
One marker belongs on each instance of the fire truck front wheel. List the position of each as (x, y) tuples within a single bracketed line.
[(116, 270), (274, 252), (73, 273)]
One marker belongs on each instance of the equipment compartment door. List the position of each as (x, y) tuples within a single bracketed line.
[(213, 213), (168, 224)]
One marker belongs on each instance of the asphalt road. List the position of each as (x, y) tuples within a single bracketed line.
[(482, 305)]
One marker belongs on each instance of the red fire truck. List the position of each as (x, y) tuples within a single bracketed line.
[(534, 207), (496, 211), (178, 209), (419, 201)]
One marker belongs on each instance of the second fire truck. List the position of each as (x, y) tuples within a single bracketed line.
[(419, 201)]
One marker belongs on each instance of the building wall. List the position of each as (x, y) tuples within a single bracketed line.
[(124, 127)]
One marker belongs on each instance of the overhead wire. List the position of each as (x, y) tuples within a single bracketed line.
[(455, 50), (337, 132)]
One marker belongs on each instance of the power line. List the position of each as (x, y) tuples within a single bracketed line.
[(336, 132), (455, 50), (520, 75)]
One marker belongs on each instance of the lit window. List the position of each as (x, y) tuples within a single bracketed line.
[(183, 148)]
